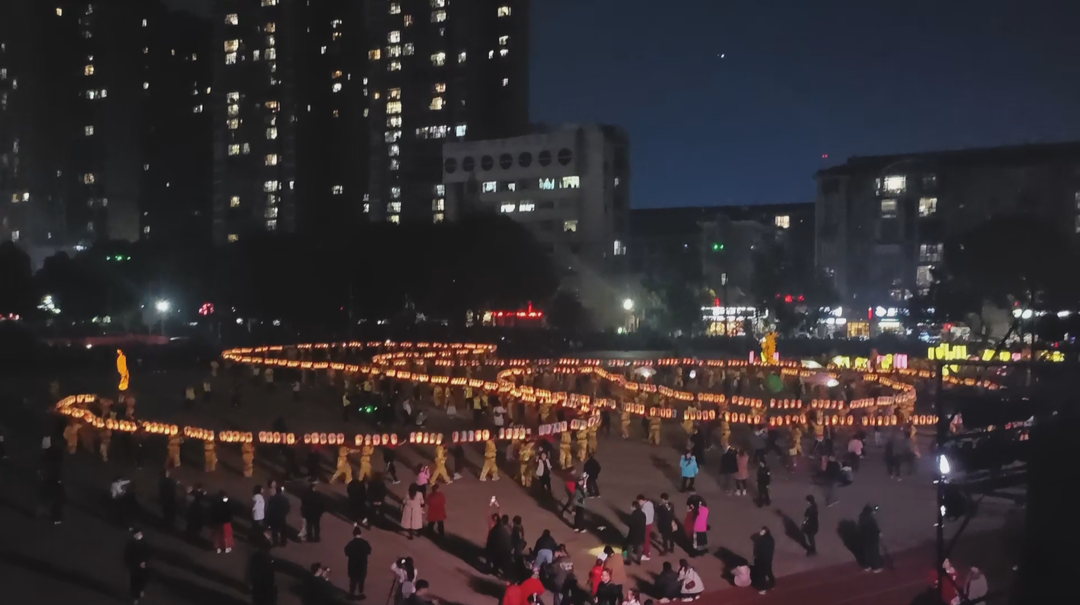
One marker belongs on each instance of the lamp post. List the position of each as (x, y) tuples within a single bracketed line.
[(162, 307)]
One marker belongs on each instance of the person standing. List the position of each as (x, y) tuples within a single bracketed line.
[(277, 517), (195, 515), (57, 500), (357, 551), (689, 467), (167, 499), (358, 495), (764, 478), (728, 467), (436, 512), (377, 494), (389, 457), (136, 556), (870, 533), (543, 471), (701, 527), (764, 548), (810, 525), (490, 467), (258, 516), (498, 415), (742, 472), (592, 469), (311, 510), (665, 523), (412, 512), (563, 582), (220, 514), (423, 476), (649, 511), (892, 465), (579, 497), (636, 533)]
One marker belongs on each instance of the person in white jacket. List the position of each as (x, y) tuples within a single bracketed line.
[(690, 582), (258, 515)]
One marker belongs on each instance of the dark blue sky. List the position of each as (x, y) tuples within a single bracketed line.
[(800, 78)]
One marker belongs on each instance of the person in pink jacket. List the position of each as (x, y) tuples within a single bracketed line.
[(701, 528), (743, 472)]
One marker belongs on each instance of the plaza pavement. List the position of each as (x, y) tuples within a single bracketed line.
[(80, 560)]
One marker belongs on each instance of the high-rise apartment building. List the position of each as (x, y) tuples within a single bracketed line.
[(438, 71), (94, 99)]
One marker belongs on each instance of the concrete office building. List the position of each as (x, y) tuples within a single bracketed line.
[(882, 221), (569, 184)]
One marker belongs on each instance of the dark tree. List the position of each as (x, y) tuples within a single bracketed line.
[(17, 292)]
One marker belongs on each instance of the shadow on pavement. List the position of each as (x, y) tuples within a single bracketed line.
[(190, 591), (848, 531), (730, 561), (792, 530), (64, 575)]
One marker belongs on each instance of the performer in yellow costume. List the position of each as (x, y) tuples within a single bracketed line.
[(654, 430), (440, 400), (490, 468), (725, 430), (248, 452), (71, 435), (365, 462), (122, 369), (525, 457), (210, 455), (344, 468), (796, 441), (688, 420), (103, 445), (565, 459), (593, 441), (625, 424), (173, 461), (545, 411), (440, 466)]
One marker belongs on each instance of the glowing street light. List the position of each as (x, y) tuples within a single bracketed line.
[(162, 306), (943, 465), (628, 305)]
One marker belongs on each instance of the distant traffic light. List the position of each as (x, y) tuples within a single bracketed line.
[(717, 246)]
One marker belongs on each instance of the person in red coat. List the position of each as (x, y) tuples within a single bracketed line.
[(436, 511)]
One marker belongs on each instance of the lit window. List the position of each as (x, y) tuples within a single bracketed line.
[(394, 93), (504, 40), (461, 57), (271, 159), (59, 12), (617, 181), (393, 50), (927, 206), (234, 149), (571, 182), (15, 234), (438, 205), (395, 218), (504, 11), (233, 238), (460, 129), (395, 164), (367, 208), (270, 186), (511, 186), (504, 52), (395, 8), (393, 150), (408, 50), (507, 208), (393, 122), (233, 111), (270, 28), (395, 193), (393, 135), (569, 226), (393, 66), (438, 16), (783, 221), (547, 184), (526, 207), (232, 46), (88, 70), (88, 131), (440, 87), (89, 178), (393, 107), (245, 148), (394, 37), (271, 212), (197, 109), (408, 20), (438, 3), (506, 81), (892, 184), (619, 248), (269, 2), (336, 87), (888, 208), (271, 133), (146, 230), (230, 59), (232, 97), (271, 54), (234, 201), (394, 207), (436, 104), (233, 124), (438, 217), (374, 55), (438, 59), (489, 187), (273, 106), (337, 189), (232, 19), (931, 253), (923, 277)]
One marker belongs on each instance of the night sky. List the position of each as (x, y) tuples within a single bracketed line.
[(799, 79)]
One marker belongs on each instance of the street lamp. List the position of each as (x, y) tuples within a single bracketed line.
[(162, 306), (628, 305)]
